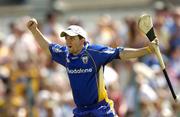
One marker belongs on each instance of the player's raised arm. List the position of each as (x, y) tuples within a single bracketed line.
[(40, 38), (129, 53)]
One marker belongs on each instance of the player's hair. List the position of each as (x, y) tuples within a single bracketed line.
[(80, 37)]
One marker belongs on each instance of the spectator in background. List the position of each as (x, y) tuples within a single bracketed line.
[(5, 54), (113, 90), (162, 9), (107, 32), (20, 38), (74, 21), (175, 29), (162, 33), (51, 27), (135, 38)]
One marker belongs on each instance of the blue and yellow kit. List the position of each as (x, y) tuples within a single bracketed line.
[(85, 71)]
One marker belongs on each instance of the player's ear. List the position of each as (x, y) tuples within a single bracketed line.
[(82, 39)]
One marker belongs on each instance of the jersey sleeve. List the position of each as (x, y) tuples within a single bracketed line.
[(58, 53), (105, 54), (108, 54)]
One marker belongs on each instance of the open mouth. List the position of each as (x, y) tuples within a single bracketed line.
[(69, 46)]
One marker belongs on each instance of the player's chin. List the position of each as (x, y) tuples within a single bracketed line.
[(70, 50)]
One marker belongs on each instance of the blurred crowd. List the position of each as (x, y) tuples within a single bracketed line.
[(32, 85)]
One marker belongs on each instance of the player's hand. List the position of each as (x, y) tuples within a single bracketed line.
[(154, 45), (32, 24)]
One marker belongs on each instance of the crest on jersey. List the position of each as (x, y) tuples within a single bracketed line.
[(84, 59)]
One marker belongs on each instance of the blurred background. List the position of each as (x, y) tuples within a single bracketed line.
[(32, 85)]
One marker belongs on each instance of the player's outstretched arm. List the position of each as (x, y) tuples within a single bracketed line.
[(40, 38), (130, 53)]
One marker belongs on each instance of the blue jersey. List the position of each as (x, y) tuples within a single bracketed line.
[(85, 71)]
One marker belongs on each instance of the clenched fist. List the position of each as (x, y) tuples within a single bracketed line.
[(154, 45), (32, 24)]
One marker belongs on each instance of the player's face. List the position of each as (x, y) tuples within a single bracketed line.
[(74, 44)]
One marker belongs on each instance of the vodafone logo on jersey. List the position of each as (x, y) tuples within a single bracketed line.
[(79, 71)]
